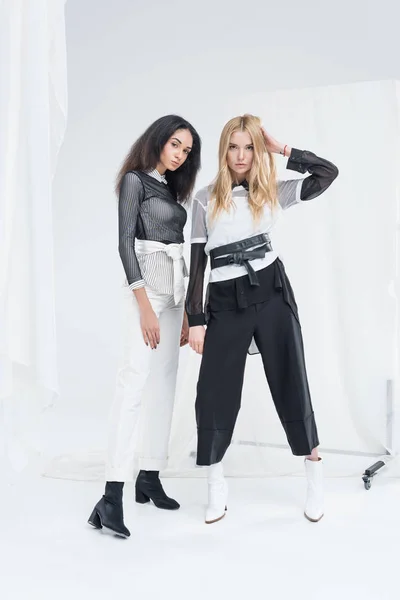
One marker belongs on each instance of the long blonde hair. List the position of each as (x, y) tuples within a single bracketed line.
[(262, 177)]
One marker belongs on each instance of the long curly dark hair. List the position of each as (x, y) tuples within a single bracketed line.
[(145, 155)]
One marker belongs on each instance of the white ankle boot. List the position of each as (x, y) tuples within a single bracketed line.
[(314, 510), (217, 494)]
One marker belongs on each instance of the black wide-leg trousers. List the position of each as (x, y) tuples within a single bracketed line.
[(276, 329)]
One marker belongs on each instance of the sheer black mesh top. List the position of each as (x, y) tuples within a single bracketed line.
[(147, 210)]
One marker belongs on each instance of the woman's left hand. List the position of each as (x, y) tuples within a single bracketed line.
[(185, 331)]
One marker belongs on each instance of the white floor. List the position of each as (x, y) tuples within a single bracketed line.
[(264, 548)]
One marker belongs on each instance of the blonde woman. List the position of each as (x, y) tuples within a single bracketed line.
[(250, 305)]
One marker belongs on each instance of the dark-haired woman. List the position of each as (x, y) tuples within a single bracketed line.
[(157, 177)]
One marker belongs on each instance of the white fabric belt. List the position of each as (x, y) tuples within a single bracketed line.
[(175, 252)]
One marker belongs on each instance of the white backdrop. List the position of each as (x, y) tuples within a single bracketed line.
[(340, 252), (120, 79)]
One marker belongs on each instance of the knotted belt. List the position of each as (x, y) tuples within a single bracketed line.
[(240, 253), (175, 252)]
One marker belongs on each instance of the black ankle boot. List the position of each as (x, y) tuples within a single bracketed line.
[(148, 487), (108, 512)]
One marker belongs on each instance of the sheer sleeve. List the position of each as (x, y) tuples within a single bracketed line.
[(322, 174), (198, 260), (194, 296), (130, 197)]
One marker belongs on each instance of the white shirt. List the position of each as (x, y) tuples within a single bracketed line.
[(238, 224)]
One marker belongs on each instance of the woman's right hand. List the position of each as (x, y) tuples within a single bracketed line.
[(150, 327), (196, 338)]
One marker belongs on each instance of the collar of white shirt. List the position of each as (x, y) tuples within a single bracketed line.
[(244, 184), (161, 178)]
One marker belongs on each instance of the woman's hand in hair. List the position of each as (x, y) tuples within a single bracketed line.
[(273, 145), (196, 338), (185, 330)]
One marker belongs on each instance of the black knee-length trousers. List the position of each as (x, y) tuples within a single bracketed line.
[(276, 329)]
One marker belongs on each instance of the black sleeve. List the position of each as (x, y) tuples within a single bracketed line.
[(323, 172), (194, 296), (130, 196)]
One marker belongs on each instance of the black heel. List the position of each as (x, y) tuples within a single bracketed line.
[(141, 498), (94, 520), (148, 487), (108, 513)]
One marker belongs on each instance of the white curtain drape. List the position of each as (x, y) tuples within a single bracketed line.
[(33, 110)]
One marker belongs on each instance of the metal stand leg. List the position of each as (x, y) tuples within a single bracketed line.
[(373, 469), (371, 472)]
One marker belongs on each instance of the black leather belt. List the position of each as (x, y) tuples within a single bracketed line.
[(239, 253)]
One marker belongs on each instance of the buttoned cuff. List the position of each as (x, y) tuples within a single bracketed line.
[(195, 320), (296, 161), (137, 284)]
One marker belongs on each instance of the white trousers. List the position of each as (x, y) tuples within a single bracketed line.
[(153, 371)]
